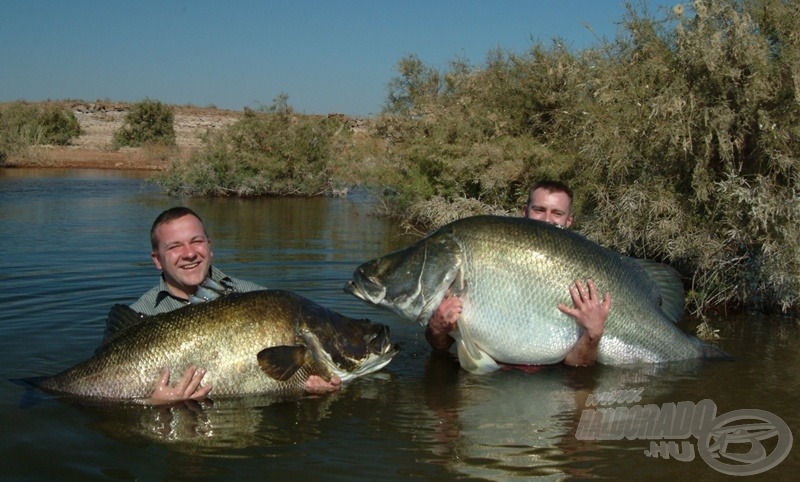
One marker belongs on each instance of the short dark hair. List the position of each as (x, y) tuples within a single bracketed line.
[(550, 186), (168, 216)]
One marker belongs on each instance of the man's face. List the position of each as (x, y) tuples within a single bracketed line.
[(550, 207), (183, 253)]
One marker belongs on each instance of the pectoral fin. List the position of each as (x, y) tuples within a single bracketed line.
[(472, 358), (281, 362)]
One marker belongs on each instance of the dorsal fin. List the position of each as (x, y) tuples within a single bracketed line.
[(281, 362), (667, 287), (120, 318)]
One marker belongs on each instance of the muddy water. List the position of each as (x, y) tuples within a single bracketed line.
[(75, 242)]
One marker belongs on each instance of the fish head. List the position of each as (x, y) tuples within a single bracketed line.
[(412, 281), (347, 347)]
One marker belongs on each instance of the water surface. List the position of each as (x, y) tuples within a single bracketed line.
[(75, 242)]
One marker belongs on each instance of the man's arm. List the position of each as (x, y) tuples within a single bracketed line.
[(442, 322), (188, 387), (591, 313)]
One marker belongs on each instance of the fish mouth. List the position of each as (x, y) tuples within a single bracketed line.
[(379, 342), (379, 352), (357, 348), (365, 289)]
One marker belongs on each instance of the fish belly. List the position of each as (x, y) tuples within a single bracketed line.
[(512, 329)]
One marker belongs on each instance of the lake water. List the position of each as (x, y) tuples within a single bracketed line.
[(75, 242)]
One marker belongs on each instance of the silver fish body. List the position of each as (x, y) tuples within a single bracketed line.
[(511, 274), (261, 342)]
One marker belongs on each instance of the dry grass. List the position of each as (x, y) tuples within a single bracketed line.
[(94, 148)]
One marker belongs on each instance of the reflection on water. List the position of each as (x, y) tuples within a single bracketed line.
[(75, 242), (213, 428)]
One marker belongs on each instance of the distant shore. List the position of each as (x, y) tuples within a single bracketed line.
[(94, 148)]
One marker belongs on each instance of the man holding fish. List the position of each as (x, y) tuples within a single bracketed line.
[(551, 202), (182, 252)]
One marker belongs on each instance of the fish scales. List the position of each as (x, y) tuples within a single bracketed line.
[(511, 266)]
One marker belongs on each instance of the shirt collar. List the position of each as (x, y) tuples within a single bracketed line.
[(163, 289)]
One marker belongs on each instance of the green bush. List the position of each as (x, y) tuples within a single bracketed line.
[(23, 124), (56, 125), (472, 133), (15, 127), (692, 155), (147, 122)]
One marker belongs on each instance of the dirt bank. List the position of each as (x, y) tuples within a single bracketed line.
[(99, 120)]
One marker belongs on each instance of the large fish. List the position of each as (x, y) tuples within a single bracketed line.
[(262, 342), (511, 274)]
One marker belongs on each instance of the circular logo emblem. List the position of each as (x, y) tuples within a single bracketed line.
[(735, 443)]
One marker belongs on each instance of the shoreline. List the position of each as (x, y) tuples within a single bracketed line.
[(94, 149)]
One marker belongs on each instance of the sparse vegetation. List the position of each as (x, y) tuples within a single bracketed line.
[(23, 124), (269, 151), (147, 122)]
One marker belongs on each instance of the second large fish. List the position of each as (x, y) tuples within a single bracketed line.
[(511, 274)]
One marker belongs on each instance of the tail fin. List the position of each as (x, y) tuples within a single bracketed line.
[(712, 352), (32, 394)]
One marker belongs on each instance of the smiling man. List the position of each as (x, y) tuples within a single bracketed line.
[(181, 250)]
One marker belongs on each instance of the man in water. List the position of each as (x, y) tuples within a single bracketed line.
[(551, 202), (182, 252)]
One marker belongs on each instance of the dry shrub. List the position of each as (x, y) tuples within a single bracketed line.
[(271, 151), (147, 122)]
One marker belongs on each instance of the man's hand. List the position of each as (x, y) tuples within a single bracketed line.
[(591, 313), (318, 385), (188, 388), (443, 321)]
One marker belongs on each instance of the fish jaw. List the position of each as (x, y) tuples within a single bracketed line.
[(366, 290), (379, 352), (410, 282), (344, 346), (371, 364), (410, 306)]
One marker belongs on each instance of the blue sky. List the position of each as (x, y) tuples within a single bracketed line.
[(328, 56)]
